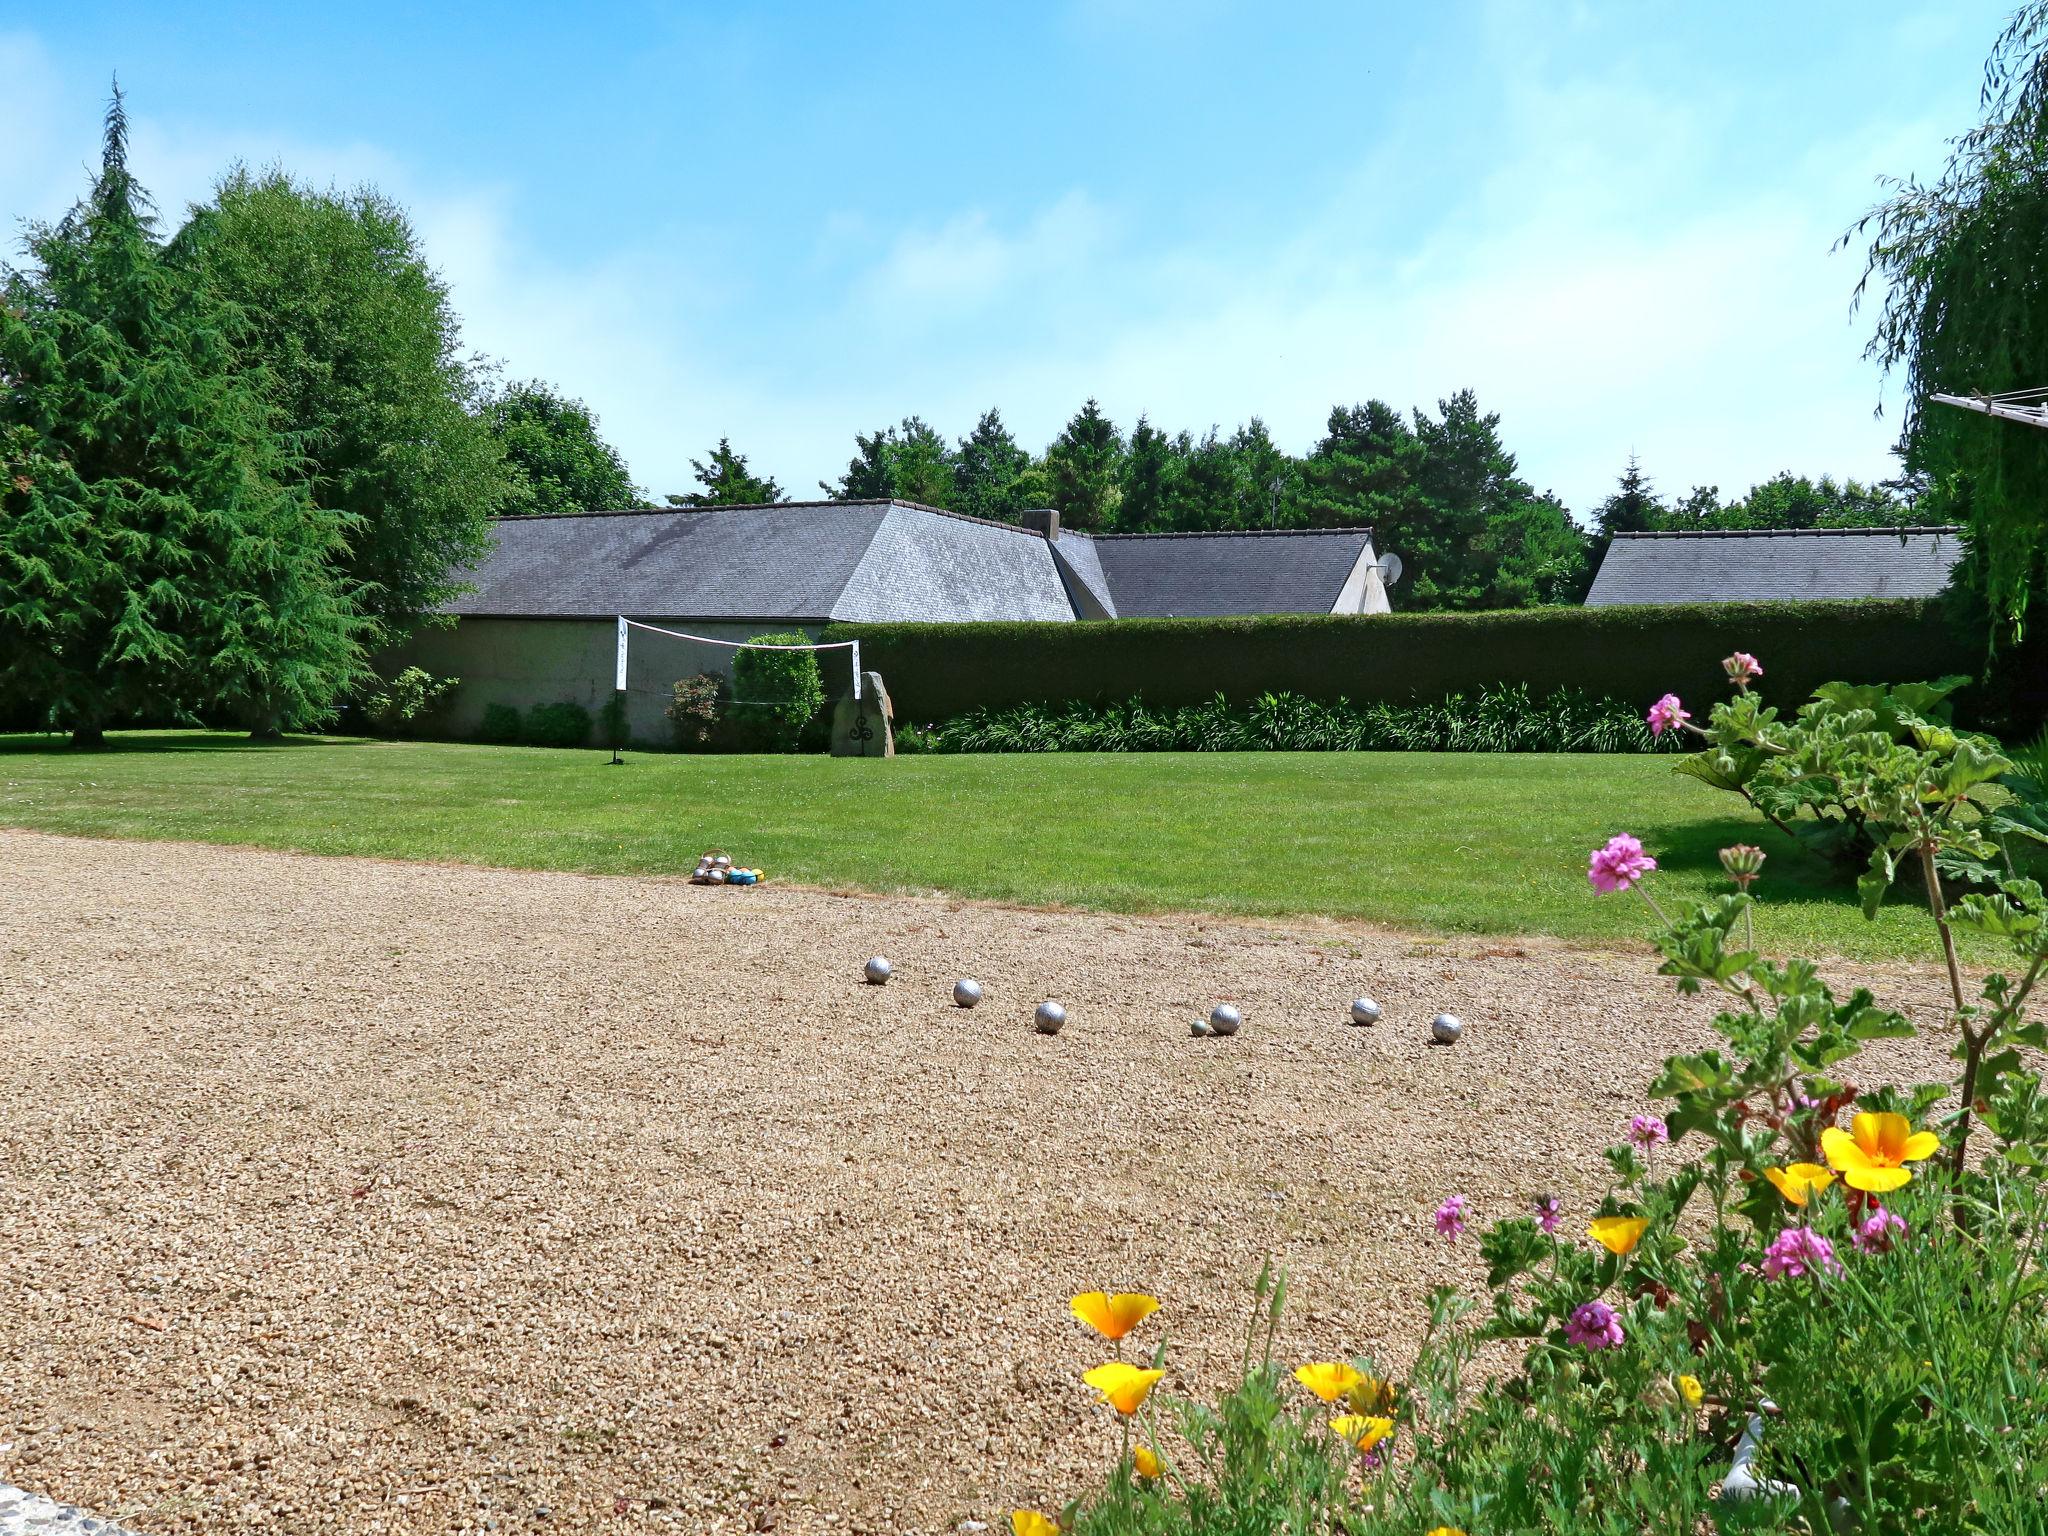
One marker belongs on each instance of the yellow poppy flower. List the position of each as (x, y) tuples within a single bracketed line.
[(1362, 1430), (1618, 1234), (1122, 1386), (1029, 1522), (1447, 1530), (1328, 1379), (1797, 1181), (1690, 1389), (1872, 1154), (1146, 1463), (1114, 1316), (1371, 1395)]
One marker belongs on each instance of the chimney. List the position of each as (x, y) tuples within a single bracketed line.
[(1044, 521)]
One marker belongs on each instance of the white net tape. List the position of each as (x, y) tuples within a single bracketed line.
[(626, 625)]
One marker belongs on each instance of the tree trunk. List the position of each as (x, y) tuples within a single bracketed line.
[(88, 738)]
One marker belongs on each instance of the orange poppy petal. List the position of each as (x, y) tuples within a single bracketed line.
[(1113, 1316), (1123, 1386), (1875, 1180), (1618, 1234), (1029, 1522), (1792, 1188), (1363, 1431), (1845, 1153), (1328, 1379), (1919, 1145)]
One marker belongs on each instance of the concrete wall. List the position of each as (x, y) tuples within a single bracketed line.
[(524, 662)]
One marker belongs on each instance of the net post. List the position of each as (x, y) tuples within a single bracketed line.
[(619, 696), (856, 671)]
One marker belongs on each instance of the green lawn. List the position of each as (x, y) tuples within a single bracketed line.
[(1453, 842)]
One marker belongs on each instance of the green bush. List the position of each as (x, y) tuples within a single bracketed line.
[(500, 723), (399, 705), (1493, 720), (776, 692), (566, 724), (938, 671)]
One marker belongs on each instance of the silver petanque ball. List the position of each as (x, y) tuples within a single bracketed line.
[(1200, 1029), (1049, 1018), (1364, 1011), (1224, 1019), (1446, 1027), (966, 992), (877, 971)]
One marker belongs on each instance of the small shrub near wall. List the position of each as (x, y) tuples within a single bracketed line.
[(566, 724), (500, 723), (697, 710), (775, 692)]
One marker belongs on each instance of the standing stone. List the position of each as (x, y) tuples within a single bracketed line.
[(863, 727)]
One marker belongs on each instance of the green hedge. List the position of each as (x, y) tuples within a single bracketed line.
[(937, 671)]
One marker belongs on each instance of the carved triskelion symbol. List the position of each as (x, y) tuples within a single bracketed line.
[(862, 732)]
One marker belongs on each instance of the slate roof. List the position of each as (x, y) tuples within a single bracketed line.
[(1770, 565), (797, 561), (1220, 575)]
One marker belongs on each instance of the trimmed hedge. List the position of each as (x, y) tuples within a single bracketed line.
[(939, 671)]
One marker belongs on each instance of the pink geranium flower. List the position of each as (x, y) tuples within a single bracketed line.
[(1667, 714), (1450, 1218), (1648, 1131), (1798, 1251), (1619, 865), (1594, 1325), (1547, 1212), (1879, 1230), (1742, 669)]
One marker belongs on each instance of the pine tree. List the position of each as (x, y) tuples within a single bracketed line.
[(1085, 465), (159, 554), (1633, 508), (727, 482), (910, 462), (990, 471)]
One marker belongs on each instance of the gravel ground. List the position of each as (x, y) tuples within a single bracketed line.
[(351, 1196)]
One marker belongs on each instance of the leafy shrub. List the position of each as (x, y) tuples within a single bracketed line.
[(1493, 720), (938, 671), (1877, 1282), (697, 710), (776, 692), (1813, 775), (399, 705), (566, 724), (500, 723)]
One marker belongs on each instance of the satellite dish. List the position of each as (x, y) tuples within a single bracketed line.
[(1390, 567)]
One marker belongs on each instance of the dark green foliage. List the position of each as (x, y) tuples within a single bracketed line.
[(397, 707), (159, 554), (1492, 720), (910, 462), (727, 482), (361, 354), (557, 461), (1084, 471), (991, 472), (500, 723), (938, 671), (698, 709), (776, 692), (1964, 311), (566, 724)]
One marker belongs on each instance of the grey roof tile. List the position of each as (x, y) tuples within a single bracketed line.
[(1770, 565), (1081, 567), (1217, 575), (796, 561)]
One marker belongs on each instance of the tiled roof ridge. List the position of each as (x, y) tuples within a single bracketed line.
[(768, 506)]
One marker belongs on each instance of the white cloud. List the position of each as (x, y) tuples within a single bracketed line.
[(1599, 280)]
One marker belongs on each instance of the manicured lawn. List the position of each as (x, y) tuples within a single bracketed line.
[(1457, 843)]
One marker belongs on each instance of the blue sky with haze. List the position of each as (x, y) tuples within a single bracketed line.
[(783, 223)]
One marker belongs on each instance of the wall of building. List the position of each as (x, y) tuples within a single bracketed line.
[(524, 662)]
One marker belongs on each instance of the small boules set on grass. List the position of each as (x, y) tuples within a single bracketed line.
[(1224, 1020)]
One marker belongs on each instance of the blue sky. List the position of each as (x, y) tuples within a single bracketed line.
[(784, 223)]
